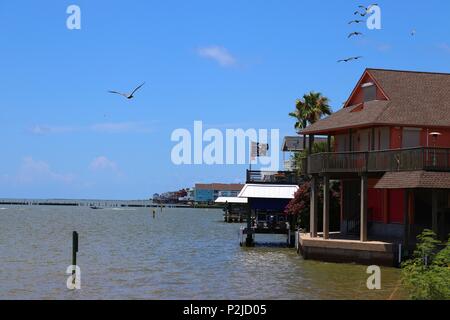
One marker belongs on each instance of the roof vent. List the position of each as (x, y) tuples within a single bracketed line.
[(367, 84)]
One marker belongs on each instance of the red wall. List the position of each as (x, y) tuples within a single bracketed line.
[(396, 137), (442, 141), (396, 205), (375, 205), (390, 212)]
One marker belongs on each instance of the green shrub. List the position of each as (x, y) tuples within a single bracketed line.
[(427, 274)]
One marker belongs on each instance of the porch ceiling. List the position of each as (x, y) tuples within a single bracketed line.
[(414, 179)]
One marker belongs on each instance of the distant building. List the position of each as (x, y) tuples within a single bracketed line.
[(171, 197), (189, 197), (208, 193)]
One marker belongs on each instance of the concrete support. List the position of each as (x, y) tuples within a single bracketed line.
[(434, 210), (364, 194), (326, 207), (314, 207)]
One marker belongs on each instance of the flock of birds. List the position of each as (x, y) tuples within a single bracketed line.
[(362, 12)]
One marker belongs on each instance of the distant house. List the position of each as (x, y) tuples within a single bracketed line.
[(208, 193), (392, 156), (293, 144)]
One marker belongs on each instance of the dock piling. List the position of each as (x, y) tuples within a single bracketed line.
[(74, 253)]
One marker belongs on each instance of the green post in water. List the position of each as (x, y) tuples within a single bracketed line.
[(74, 252)]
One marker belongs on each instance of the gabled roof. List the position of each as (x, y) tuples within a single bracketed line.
[(350, 117), (417, 99)]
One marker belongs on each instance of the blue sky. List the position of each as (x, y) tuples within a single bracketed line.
[(230, 64)]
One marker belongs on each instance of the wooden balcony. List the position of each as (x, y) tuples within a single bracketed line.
[(273, 177), (414, 159)]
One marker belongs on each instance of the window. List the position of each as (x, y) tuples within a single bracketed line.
[(369, 91), (411, 137)]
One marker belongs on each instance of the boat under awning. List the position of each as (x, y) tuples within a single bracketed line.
[(414, 179), (231, 200), (268, 191)]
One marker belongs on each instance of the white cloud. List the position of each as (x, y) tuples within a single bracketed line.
[(38, 171), (218, 54), (102, 163), (43, 129)]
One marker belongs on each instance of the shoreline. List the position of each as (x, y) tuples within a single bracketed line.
[(102, 204)]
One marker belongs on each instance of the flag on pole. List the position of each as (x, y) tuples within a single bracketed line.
[(258, 150)]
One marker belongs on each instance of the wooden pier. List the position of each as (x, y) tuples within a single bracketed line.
[(235, 209)]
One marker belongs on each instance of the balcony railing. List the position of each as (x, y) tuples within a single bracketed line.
[(430, 159), (275, 177)]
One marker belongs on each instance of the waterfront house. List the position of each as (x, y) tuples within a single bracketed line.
[(208, 193), (391, 143)]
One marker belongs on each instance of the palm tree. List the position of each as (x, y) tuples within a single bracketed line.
[(309, 110)]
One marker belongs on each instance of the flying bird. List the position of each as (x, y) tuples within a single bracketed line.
[(350, 59), (128, 95), (362, 14), (356, 21), (367, 9), (354, 34)]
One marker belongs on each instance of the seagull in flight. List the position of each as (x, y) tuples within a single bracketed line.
[(354, 34), (356, 21), (365, 10), (368, 8), (350, 59), (128, 95), (362, 14)]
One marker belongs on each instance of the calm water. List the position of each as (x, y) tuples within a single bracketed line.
[(181, 254)]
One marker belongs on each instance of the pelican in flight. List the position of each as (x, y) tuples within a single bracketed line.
[(128, 95)]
